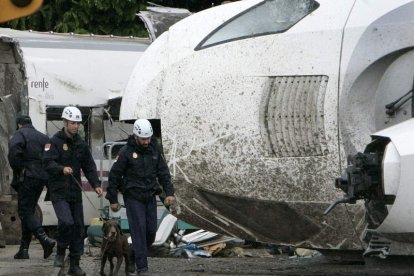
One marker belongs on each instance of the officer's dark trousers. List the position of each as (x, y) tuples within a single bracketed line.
[(70, 226), (28, 194), (142, 220)]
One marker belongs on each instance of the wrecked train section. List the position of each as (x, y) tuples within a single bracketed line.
[(256, 125), (13, 101)]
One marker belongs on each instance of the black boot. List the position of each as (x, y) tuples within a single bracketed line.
[(74, 268), (131, 266), (60, 256), (46, 242), (23, 252)]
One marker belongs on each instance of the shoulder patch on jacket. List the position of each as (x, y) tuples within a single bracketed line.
[(47, 147)]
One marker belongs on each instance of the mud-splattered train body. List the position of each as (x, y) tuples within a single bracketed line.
[(259, 104)]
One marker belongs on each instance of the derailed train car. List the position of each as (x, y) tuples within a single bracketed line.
[(41, 73), (261, 102)]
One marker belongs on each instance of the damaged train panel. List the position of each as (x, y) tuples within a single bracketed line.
[(13, 95)]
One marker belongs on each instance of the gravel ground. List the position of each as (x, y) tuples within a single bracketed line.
[(259, 262)]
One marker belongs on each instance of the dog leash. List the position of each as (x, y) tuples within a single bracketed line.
[(100, 213), (87, 197)]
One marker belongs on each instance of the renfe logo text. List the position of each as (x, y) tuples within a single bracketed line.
[(40, 84)]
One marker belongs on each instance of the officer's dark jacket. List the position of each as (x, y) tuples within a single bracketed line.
[(136, 171), (25, 152), (62, 151)]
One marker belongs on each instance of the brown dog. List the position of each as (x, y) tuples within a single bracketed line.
[(114, 244)]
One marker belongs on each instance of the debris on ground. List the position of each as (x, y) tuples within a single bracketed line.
[(306, 253), (215, 248), (171, 241)]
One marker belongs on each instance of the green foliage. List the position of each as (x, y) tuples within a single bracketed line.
[(102, 17), (191, 5)]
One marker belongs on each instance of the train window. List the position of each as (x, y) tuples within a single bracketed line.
[(117, 132), (268, 17)]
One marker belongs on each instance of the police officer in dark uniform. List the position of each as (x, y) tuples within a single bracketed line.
[(135, 173), (29, 179), (64, 156)]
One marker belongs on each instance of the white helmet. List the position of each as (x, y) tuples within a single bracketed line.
[(143, 128), (72, 113)]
